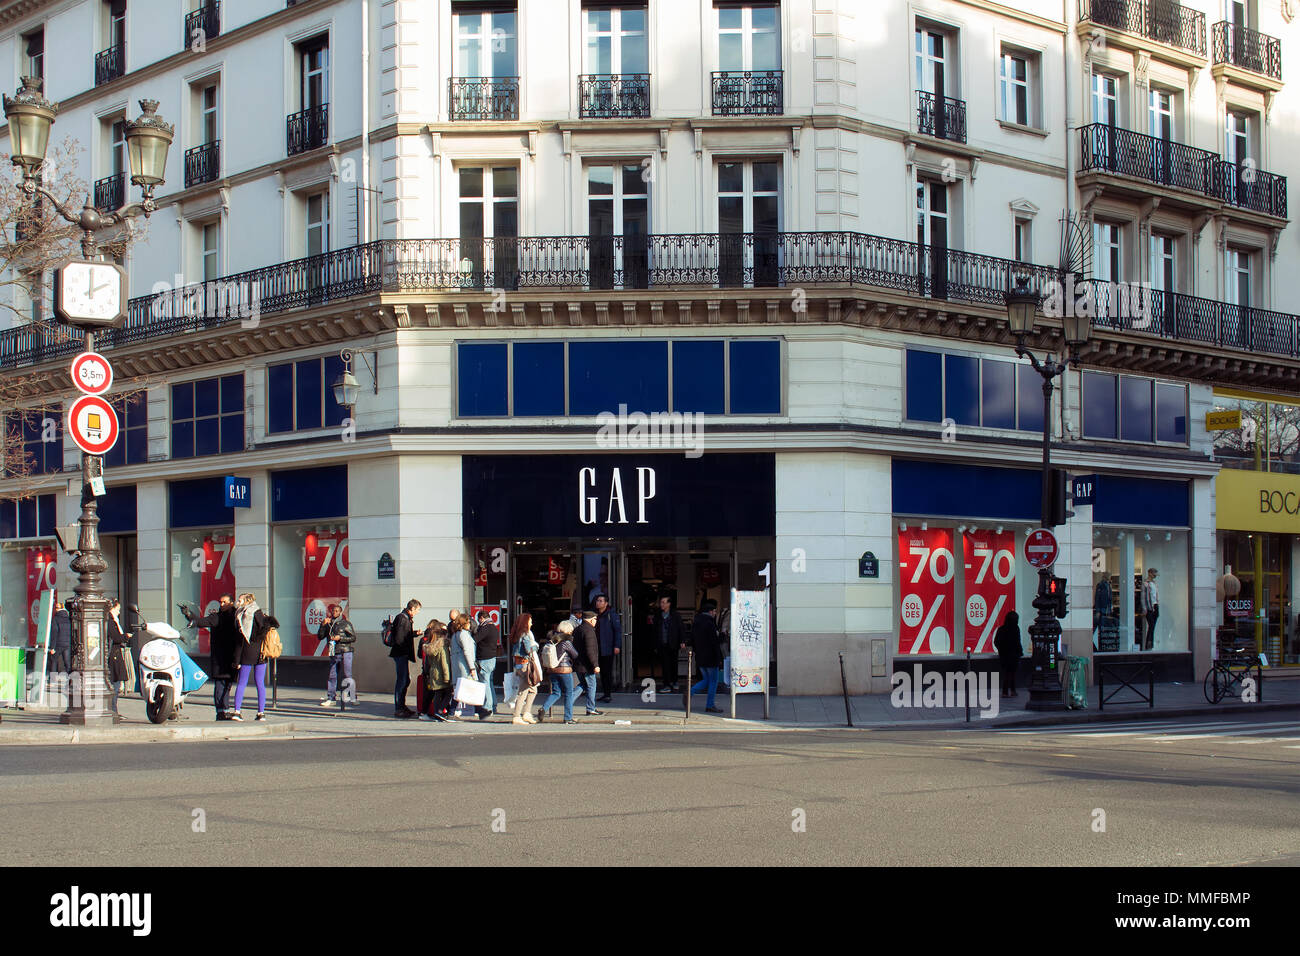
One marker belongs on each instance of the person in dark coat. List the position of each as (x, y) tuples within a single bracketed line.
[(224, 640), (1007, 643), (708, 652), (60, 646), (340, 640), (253, 623), (487, 644), (587, 666), (117, 644), (609, 631), (403, 654), (668, 641)]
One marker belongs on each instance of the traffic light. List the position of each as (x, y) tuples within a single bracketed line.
[(1057, 592), (1056, 485)]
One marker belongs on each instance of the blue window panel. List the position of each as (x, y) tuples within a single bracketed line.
[(538, 376), (27, 518), (699, 377), (117, 510), (308, 494), (137, 446), (1099, 407), (135, 410), (32, 425), (1135, 408), (198, 503), (8, 519), (605, 375), (1141, 502), (308, 392), (962, 389), (232, 393), (182, 439), (232, 433), (334, 412), (481, 379), (116, 456), (999, 391), (207, 436), (924, 386), (1171, 413), (1029, 398), (183, 401), (206, 398), (927, 488), (279, 398), (45, 519), (756, 378)]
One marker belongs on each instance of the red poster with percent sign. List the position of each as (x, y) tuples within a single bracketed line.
[(990, 586), (324, 582), (40, 577), (926, 569), (218, 578)]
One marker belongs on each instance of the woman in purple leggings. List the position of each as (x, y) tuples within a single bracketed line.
[(253, 625)]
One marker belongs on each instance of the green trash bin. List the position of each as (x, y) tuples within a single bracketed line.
[(13, 675), (1076, 683)]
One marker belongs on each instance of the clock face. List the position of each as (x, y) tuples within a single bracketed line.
[(90, 292)]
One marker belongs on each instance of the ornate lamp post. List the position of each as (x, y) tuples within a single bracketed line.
[(30, 116), (1022, 311)]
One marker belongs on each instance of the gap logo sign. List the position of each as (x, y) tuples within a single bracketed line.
[(237, 493)]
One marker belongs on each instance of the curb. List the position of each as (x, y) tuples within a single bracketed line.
[(134, 734)]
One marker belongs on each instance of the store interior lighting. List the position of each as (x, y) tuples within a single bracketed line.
[(925, 526), (1148, 537), (902, 526), (999, 529), (1169, 536), (961, 529)]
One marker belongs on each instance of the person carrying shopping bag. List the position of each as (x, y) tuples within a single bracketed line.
[(528, 668)]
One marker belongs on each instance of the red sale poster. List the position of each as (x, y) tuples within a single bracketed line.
[(218, 578), (926, 569), (324, 582), (990, 560), (40, 577)]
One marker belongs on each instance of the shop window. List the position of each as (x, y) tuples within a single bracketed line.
[(300, 395), (481, 379), (309, 573), (924, 386), (538, 376), (313, 493), (998, 391), (756, 377), (699, 375), (1171, 413), (1100, 409), (202, 569), (39, 431), (1132, 611), (208, 417), (31, 517), (132, 446), (991, 393), (1029, 398), (961, 383), (605, 375), (1135, 409)]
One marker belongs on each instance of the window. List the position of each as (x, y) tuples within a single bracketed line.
[(1023, 248), (1133, 409), (116, 32), (934, 73), (489, 225), (208, 417), (211, 255), (1237, 138), (34, 51), (749, 201), (132, 446), (486, 41), (1163, 277), (318, 223), (314, 72), (987, 393), (618, 205), (481, 380), (1107, 255), (1239, 276), (616, 41), (208, 114), (39, 433), (1160, 112), (749, 38), (300, 395), (1015, 88), (1105, 99)]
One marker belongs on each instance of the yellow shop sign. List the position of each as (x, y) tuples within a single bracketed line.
[(1219, 421), (1257, 501)]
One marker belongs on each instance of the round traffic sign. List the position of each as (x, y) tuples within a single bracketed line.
[(91, 373), (93, 424), (1041, 549)]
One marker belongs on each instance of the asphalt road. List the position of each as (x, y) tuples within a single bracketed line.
[(1194, 792)]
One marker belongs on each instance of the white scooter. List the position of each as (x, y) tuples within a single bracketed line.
[(166, 672)]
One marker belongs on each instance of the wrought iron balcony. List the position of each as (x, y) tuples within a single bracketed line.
[(1164, 21), (748, 93), (202, 163), (1248, 49), (1245, 186), (308, 129), (1110, 149), (483, 97), (110, 64), (202, 24), (941, 116), (110, 192), (614, 96)]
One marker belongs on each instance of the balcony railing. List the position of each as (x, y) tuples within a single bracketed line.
[(1161, 20), (202, 163), (110, 192), (1245, 186), (748, 93), (614, 96), (1113, 150), (202, 24), (483, 97), (941, 116), (110, 64), (1248, 49), (308, 129)]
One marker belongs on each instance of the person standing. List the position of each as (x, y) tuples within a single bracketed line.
[(561, 674), (117, 643), (528, 669), (708, 652), (1007, 643), (1151, 607), (402, 652), (464, 656), (253, 624), (223, 642), (60, 646), (337, 632), (587, 666), (609, 634), (436, 672), (668, 633), (487, 647)]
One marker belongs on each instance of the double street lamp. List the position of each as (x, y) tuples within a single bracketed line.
[(1045, 691), (31, 116)]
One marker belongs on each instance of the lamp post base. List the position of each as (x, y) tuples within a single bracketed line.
[(91, 701), (1045, 690)]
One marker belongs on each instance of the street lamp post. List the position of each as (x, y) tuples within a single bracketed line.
[(1022, 309), (30, 116)]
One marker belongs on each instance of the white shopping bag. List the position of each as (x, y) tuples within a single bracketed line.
[(510, 687), (471, 692)]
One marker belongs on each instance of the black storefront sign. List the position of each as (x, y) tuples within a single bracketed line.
[(618, 496)]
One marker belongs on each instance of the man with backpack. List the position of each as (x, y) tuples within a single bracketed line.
[(587, 644), (487, 643), (401, 642)]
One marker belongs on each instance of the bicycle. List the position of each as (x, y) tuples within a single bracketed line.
[(1229, 672)]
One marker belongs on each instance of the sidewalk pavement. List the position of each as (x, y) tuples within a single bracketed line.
[(298, 715)]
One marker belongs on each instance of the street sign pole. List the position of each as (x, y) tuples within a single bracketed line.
[(1045, 692)]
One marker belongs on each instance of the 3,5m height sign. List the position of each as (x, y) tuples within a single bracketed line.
[(926, 569)]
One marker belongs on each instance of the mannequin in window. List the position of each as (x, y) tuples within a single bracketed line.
[(1150, 606), (1102, 603)]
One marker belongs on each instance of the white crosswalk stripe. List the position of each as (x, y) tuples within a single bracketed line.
[(1239, 731)]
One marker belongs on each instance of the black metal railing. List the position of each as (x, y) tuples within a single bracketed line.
[(1243, 185), (1248, 49), (110, 192), (941, 116), (483, 97), (202, 24), (308, 129), (202, 163), (1110, 149), (614, 95), (110, 64), (1164, 21), (748, 93)]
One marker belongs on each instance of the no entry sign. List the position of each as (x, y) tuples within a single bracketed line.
[(93, 424), (91, 373), (1041, 549)]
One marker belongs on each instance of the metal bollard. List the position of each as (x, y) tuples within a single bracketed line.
[(844, 686), (690, 672)]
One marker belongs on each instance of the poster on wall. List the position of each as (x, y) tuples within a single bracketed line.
[(990, 560), (40, 577), (217, 577), (324, 582), (926, 567), (749, 642)]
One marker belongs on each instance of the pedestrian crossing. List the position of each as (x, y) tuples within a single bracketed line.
[(1285, 732)]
